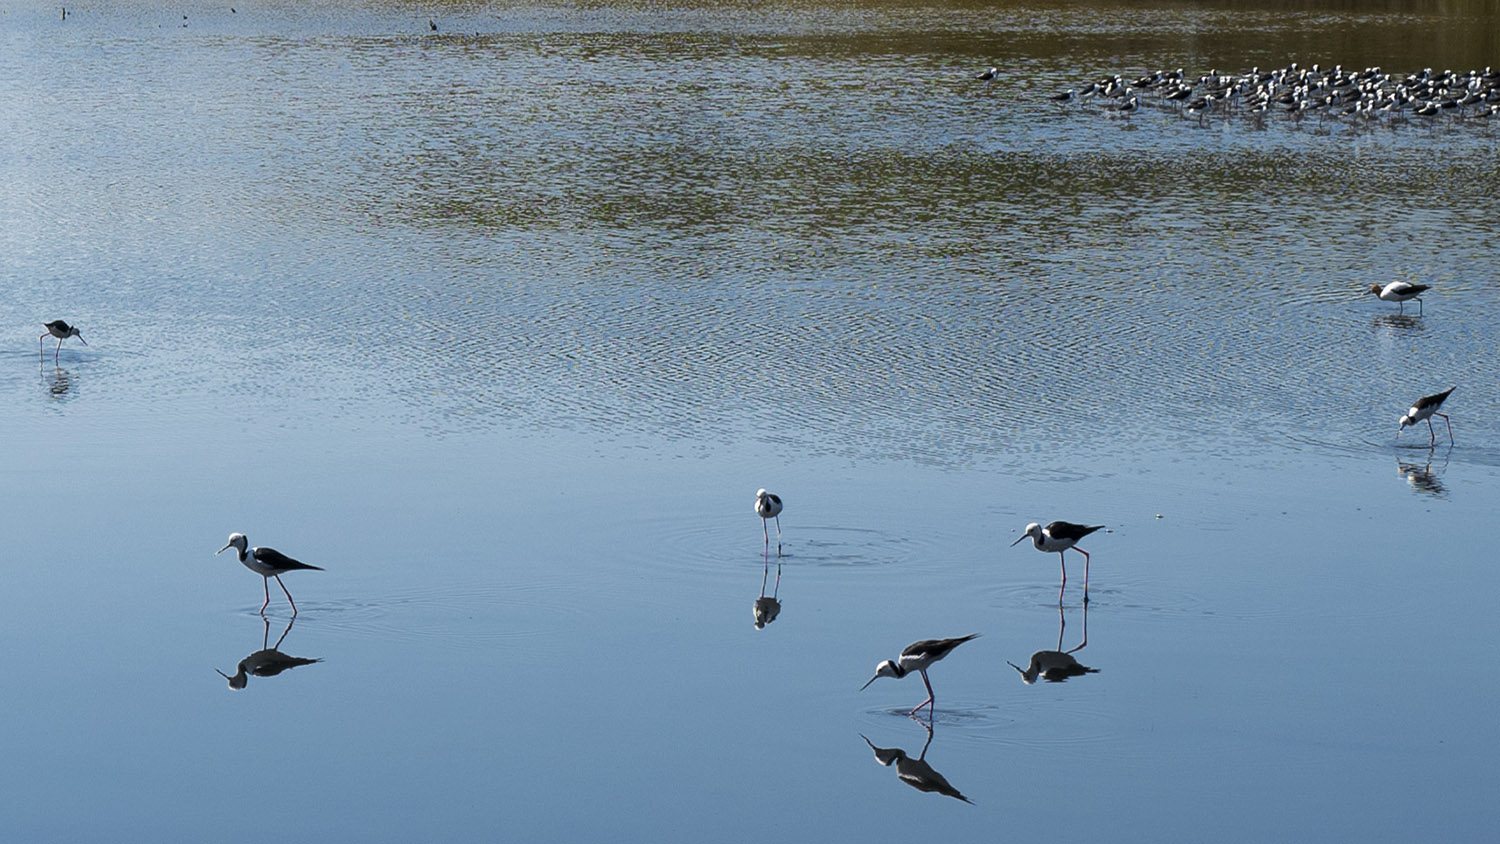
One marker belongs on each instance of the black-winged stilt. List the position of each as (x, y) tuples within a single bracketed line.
[(988, 74), (1425, 408), (1402, 292), (768, 506), (917, 657), (1059, 537), (62, 331), (266, 562)]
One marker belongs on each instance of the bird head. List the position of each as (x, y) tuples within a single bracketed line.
[(1032, 529), (238, 681), (1375, 288), (884, 669), (1405, 420), (237, 541)]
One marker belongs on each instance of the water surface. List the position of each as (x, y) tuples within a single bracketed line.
[(504, 323)]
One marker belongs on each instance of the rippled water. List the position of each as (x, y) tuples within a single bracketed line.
[(504, 323)]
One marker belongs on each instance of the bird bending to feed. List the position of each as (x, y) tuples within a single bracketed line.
[(62, 331), (917, 657), (1402, 292), (768, 506), (266, 562), (988, 74), (1425, 408), (1059, 537)]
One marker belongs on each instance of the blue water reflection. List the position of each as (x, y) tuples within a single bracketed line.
[(269, 661), (1058, 665), (501, 323), (916, 771)]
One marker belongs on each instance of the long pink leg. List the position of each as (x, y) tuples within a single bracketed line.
[(268, 594), (40, 352), (1450, 426), (766, 532), (1085, 572), (58, 351), (931, 699), (778, 535), (288, 594), (1064, 587), (1430, 430)]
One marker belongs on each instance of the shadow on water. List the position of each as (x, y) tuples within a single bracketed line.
[(1422, 477), (766, 609), (266, 662), (1056, 666), (916, 773)]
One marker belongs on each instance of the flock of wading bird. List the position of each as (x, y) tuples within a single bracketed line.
[(1059, 537), (919, 656), (1369, 96), (1056, 537)]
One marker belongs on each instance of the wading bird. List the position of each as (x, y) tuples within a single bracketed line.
[(62, 331), (1426, 407), (1402, 292), (768, 506), (266, 562), (1059, 537), (917, 657)]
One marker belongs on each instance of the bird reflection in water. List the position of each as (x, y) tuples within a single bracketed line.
[(61, 383), (1423, 478), (266, 662), (1400, 324), (915, 772), (767, 608), (1057, 666)]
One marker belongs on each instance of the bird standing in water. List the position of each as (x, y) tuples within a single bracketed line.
[(918, 656), (266, 562), (768, 506), (1402, 292), (62, 331), (1059, 537), (1426, 407)]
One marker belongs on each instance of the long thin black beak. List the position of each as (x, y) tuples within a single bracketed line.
[(1017, 667), (867, 683), (222, 674), (217, 553), (81, 340), (1018, 539)]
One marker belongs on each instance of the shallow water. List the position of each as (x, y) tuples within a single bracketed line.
[(503, 325)]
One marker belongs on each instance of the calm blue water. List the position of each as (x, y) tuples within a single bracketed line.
[(503, 326)]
